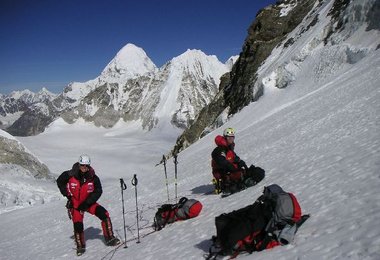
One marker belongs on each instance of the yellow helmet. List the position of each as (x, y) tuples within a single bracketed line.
[(229, 132)]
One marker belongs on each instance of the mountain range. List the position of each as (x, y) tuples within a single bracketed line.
[(130, 88)]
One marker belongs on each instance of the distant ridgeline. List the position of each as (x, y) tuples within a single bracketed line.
[(130, 88)]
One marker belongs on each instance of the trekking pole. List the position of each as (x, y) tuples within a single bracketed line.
[(134, 183), (163, 161), (166, 175), (175, 176), (123, 187)]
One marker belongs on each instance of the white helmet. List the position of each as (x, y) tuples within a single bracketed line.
[(229, 132), (84, 159)]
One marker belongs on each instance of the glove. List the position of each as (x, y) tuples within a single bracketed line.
[(69, 203), (83, 206)]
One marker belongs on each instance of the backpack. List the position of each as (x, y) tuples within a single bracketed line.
[(285, 207), (272, 220), (169, 213), (286, 214)]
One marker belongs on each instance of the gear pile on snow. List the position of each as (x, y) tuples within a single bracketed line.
[(272, 220)]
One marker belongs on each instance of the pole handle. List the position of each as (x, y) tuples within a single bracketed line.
[(122, 184), (134, 180)]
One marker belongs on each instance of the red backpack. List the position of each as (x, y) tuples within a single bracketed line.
[(169, 213)]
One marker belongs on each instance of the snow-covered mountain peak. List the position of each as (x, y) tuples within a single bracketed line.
[(130, 62), (21, 94), (191, 74), (196, 62), (231, 61), (45, 90), (30, 97), (132, 87), (44, 93), (192, 57)]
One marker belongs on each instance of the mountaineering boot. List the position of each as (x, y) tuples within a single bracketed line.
[(114, 241), (79, 240), (226, 192), (226, 188), (249, 182), (217, 185), (109, 238)]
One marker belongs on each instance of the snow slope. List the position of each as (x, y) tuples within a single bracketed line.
[(318, 138), (323, 146)]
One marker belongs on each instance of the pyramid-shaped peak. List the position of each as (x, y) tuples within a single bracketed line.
[(130, 50), (130, 61)]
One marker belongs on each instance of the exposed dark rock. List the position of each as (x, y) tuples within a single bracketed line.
[(373, 17), (31, 122), (265, 33), (237, 88), (12, 152), (338, 8)]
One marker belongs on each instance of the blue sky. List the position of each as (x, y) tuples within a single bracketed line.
[(50, 43)]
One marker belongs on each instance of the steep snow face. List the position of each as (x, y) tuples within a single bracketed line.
[(193, 80), (74, 93), (22, 175), (130, 62), (6, 135), (322, 46), (358, 30), (231, 61), (19, 189)]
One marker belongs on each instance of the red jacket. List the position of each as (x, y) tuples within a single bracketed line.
[(224, 159), (79, 186)]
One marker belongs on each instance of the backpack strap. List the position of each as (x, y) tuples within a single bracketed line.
[(161, 223)]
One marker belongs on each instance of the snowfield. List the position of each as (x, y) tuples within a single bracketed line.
[(318, 138), (323, 146)]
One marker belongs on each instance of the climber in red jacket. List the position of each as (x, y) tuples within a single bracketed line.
[(231, 174), (82, 188)]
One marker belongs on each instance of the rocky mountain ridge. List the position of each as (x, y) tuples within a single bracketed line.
[(14, 154), (279, 49), (130, 88)]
